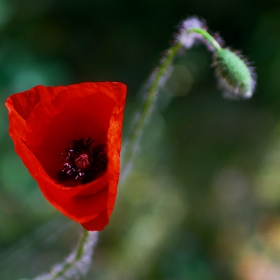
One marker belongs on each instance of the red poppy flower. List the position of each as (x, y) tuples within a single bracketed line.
[(69, 138)]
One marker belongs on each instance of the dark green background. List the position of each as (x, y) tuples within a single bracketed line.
[(203, 199)]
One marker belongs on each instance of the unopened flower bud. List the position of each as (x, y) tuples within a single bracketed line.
[(236, 78)]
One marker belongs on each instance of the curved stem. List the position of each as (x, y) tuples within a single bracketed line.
[(209, 38), (152, 91)]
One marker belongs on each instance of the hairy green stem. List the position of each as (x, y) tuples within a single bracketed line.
[(152, 91), (77, 263), (209, 38), (78, 255)]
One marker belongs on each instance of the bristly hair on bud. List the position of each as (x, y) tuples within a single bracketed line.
[(188, 39), (235, 77)]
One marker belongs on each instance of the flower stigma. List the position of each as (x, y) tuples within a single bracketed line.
[(83, 162)]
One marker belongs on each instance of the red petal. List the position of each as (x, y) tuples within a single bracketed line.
[(97, 223)]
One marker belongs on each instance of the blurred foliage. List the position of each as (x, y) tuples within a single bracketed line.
[(203, 199)]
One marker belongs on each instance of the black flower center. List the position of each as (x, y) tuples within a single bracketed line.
[(83, 162)]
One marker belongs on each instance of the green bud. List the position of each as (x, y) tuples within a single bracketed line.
[(236, 78)]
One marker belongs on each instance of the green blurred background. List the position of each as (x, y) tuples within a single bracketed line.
[(203, 199)]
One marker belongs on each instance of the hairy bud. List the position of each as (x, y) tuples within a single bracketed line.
[(236, 78)]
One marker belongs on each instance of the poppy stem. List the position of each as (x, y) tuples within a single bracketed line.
[(78, 261), (206, 36), (157, 79)]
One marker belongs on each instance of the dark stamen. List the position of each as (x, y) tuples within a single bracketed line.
[(82, 162)]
